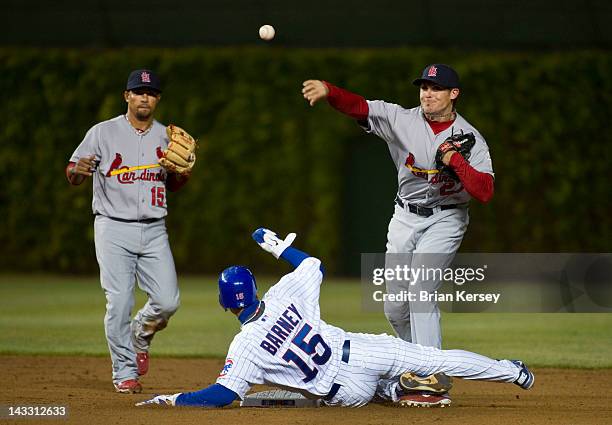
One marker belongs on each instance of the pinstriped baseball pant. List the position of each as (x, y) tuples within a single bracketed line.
[(376, 361)]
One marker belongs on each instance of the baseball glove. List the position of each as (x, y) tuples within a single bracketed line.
[(180, 156), (461, 143)]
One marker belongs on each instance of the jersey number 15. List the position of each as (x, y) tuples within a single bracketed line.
[(308, 347), (158, 196)]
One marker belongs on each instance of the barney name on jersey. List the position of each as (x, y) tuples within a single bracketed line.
[(284, 325), (129, 174)]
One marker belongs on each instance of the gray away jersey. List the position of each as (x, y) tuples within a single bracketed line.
[(289, 345), (413, 145), (129, 183)]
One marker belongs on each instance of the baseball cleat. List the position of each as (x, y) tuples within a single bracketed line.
[(525, 379), (129, 386), (437, 383), (142, 361), (423, 399)]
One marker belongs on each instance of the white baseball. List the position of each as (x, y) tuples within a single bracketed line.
[(266, 32)]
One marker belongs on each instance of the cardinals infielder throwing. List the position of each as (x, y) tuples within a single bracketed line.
[(436, 179)]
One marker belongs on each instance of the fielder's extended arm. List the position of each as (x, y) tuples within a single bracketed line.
[(351, 104)]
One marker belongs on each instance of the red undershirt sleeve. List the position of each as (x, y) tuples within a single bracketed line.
[(479, 185), (67, 171), (73, 179), (175, 181), (351, 104)]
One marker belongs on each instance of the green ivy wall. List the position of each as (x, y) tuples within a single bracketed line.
[(267, 158)]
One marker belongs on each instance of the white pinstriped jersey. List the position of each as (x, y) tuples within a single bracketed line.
[(413, 145), (288, 345)]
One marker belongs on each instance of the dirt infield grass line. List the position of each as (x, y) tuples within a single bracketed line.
[(57, 315)]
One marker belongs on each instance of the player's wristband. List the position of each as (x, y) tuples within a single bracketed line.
[(294, 256)]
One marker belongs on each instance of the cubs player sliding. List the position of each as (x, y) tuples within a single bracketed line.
[(284, 342), (129, 203), (431, 206)]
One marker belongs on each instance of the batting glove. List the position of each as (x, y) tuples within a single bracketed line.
[(270, 242), (164, 400)]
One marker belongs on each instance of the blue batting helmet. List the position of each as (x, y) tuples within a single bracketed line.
[(237, 287)]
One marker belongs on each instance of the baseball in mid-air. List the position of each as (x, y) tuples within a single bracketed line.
[(266, 32)]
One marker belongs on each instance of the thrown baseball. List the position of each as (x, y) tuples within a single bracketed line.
[(266, 32)]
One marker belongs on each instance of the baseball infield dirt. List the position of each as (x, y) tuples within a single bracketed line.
[(83, 384)]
